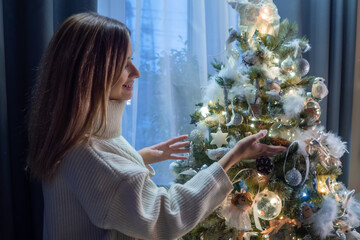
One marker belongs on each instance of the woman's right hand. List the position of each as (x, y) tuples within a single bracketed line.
[(249, 148)]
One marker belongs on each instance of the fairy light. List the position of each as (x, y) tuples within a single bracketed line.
[(204, 111), (292, 74), (252, 125), (128, 102), (292, 92), (265, 13), (276, 60), (223, 113)]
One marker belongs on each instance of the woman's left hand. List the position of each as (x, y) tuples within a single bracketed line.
[(165, 150)]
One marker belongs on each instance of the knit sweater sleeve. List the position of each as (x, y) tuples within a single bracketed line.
[(118, 194), (143, 210)]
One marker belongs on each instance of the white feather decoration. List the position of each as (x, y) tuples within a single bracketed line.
[(322, 220), (336, 147), (246, 93), (293, 105), (352, 216), (214, 92)]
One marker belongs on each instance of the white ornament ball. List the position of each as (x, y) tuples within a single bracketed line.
[(268, 205), (293, 177)]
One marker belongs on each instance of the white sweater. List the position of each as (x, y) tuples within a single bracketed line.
[(103, 190)]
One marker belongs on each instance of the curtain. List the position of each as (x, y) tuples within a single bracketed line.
[(174, 43), (25, 29)]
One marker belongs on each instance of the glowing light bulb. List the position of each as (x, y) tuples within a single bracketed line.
[(276, 60), (128, 102), (292, 74), (223, 113), (204, 111), (252, 125), (265, 13)]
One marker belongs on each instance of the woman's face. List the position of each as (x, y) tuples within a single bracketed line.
[(122, 89)]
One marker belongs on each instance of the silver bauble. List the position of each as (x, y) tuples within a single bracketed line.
[(303, 66), (293, 177)]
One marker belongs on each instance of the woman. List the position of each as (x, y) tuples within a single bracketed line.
[(95, 185)]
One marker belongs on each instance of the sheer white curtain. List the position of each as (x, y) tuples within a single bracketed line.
[(174, 43)]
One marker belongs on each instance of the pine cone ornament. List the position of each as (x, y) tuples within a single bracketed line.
[(264, 165)]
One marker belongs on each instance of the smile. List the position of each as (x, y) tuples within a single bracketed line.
[(128, 86)]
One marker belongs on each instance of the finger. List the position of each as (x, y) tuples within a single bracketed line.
[(259, 135), (177, 157), (177, 139), (276, 148), (181, 150), (179, 145)]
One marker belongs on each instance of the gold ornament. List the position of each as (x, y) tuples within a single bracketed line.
[(312, 109)]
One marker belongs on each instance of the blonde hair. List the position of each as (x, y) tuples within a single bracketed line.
[(85, 55)]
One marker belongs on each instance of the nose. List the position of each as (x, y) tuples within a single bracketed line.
[(135, 72)]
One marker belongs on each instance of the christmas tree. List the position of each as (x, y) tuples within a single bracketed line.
[(264, 85)]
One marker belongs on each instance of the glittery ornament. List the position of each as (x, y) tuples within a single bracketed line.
[(287, 65), (293, 177), (264, 165), (312, 110), (216, 154), (319, 90), (303, 66), (196, 135), (267, 204)]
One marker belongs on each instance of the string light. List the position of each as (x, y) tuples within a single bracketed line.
[(204, 111)]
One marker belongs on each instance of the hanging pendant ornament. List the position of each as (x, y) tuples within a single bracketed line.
[(293, 177), (264, 165), (236, 118), (219, 138), (303, 66), (267, 205), (287, 65), (319, 90), (216, 154)]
